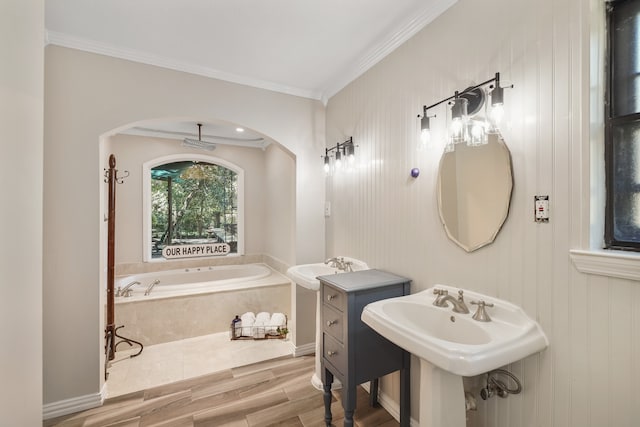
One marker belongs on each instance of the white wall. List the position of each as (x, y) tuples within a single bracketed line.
[(88, 95), (21, 123), (279, 222), (280, 236), (589, 373)]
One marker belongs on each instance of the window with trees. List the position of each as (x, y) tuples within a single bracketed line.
[(622, 126), (193, 202)]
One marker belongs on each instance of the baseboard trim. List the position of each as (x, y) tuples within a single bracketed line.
[(75, 404), (304, 349)]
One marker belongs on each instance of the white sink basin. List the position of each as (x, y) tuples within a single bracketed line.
[(306, 275), (452, 341)]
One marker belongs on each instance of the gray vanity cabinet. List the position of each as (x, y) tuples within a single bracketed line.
[(353, 352)]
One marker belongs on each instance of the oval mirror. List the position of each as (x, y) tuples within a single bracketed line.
[(474, 192)]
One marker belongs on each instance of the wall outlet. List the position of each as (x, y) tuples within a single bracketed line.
[(327, 209), (541, 208)]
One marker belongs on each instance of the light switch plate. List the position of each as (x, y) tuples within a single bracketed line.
[(541, 208)]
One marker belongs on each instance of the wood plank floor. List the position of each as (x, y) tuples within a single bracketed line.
[(273, 393)]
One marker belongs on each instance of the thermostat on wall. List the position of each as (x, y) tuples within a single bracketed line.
[(541, 208)]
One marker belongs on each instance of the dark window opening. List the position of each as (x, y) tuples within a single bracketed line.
[(622, 123)]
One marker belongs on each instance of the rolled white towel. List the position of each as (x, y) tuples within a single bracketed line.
[(248, 319), (263, 317), (278, 319)]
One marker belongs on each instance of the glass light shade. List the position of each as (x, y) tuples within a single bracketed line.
[(497, 112), (338, 160), (327, 166), (477, 134), (425, 136), (351, 155), (459, 108), (497, 105), (458, 130), (425, 132)]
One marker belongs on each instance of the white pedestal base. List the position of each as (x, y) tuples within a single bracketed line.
[(441, 398)]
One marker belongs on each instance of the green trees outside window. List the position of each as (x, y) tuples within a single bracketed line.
[(193, 202)]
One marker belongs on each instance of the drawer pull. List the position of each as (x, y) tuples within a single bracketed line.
[(331, 297), (331, 322), (331, 353)]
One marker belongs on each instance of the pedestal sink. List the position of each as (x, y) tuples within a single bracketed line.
[(451, 345), (306, 275)]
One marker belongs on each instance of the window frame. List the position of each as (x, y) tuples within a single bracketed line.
[(146, 199), (610, 241), (590, 256)]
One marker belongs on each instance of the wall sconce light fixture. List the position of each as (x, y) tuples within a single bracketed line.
[(464, 105), (341, 153), (425, 127)]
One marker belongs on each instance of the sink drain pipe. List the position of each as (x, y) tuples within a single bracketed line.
[(495, 385)]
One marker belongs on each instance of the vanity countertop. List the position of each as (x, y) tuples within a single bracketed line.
[(363, 279)]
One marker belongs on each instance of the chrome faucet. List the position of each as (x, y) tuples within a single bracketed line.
[(126, 291), (340, 264), (443, 297), (148, 291)]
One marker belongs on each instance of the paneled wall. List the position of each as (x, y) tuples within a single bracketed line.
[(588, 375)]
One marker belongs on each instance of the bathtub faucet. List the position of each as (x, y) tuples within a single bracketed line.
[(126, 291), (148, 291), (339, 263)]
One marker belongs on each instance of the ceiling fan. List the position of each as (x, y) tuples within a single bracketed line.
[(199, 143)]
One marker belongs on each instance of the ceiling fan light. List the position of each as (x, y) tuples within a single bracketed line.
[(197, 143)]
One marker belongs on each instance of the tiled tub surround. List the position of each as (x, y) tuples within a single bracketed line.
[(158, 319)]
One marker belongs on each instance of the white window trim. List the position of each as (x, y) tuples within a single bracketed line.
[(619, 264), (146, 198), (594, 259)]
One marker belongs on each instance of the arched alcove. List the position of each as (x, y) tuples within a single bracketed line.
[(268, 196), (94, 97)]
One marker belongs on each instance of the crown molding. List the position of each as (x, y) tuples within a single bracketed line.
[(430, 11), (87, 45)]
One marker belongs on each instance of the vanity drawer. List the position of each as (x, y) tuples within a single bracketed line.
[(334, 353), (333, 322), (333, 297)]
